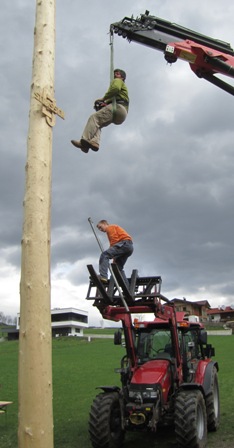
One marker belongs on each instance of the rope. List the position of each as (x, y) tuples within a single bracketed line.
[(112, 69)]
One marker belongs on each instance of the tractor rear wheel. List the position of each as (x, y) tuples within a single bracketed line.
[(105, 421), (190, 419), (213, 404)]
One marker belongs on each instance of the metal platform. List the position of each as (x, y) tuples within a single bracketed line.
[(137, 290)]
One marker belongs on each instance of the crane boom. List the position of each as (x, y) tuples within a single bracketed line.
[(206, 56)]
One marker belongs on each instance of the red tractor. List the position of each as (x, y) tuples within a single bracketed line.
[(167, 374)]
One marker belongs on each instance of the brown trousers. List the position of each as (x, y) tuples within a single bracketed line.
[(101, 119)]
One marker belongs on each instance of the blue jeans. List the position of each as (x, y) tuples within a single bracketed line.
[(119, 252)]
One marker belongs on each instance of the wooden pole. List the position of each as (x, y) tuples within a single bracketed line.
[(35, 426)]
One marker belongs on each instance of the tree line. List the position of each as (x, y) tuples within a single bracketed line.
[(7, 319)]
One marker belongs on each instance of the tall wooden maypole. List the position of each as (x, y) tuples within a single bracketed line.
[(35, 429)]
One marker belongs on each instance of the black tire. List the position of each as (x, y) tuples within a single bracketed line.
[(213, 403), (105, 422), (190, 419)]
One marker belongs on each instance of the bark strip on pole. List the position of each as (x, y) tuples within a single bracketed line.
[(35, 429)]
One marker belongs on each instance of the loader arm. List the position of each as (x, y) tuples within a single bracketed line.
[(143, 295), (206, 56)]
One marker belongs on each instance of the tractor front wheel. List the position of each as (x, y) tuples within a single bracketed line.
[(190, 419), (213, 403), (105, 421)]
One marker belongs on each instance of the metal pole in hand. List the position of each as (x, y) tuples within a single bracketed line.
[(110, 268), (95, 234)]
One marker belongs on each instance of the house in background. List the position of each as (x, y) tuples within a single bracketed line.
[(64, 322), (199, 308), (68, 321), (222, 314)]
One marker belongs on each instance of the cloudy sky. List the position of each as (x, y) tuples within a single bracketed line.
[(165, 175)]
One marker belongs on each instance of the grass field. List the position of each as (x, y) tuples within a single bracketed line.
[(78, 368)]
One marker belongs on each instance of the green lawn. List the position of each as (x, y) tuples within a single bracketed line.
[(79, 367)]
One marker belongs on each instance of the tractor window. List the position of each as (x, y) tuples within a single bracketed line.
[(189, 342), (153, 344)]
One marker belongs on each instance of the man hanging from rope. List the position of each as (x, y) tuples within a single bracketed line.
[(112, 108)]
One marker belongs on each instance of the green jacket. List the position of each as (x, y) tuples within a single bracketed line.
[(118, 90)]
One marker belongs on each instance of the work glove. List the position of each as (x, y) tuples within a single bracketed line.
[(99, 104)]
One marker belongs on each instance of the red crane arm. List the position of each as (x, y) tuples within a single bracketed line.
[(207, 56), (200, 57)]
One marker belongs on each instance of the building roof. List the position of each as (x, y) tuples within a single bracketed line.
[(223, 310), (199, 303), (68, 310)]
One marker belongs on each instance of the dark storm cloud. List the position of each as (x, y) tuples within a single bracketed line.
[(166, 174)]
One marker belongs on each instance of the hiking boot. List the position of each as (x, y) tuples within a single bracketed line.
[(78, 144), (89, 144), (103, 279)]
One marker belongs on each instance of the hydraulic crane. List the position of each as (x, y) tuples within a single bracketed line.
[(206, 56)]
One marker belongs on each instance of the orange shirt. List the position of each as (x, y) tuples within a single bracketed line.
[(116, 234)]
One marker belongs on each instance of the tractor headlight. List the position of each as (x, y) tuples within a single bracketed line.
[(135, 395), (150, 393)]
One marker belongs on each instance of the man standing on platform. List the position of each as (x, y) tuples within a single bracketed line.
[(121, 247)]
